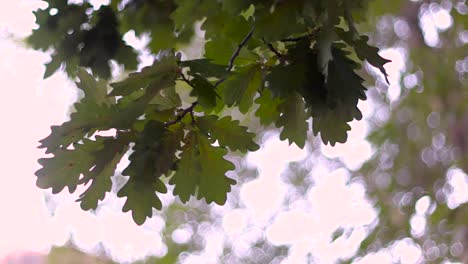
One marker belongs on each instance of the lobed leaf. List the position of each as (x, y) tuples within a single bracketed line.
[(293, 120), (240, 88), (268, 108), (227, 132), (364, 51), (153, 155), (213, 185), (66, 166), (187, 175), (105, 162)]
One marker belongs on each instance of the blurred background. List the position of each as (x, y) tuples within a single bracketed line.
[(396, 192)]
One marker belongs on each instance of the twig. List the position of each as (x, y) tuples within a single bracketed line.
[(236, 54), (270, 46), (182, 114), (308, 36), (189, 110), (239, 47), (187, 81), (349, 19)]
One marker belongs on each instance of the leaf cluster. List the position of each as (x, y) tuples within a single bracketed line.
[(287, 62)]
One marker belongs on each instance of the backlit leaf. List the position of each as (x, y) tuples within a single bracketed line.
[(293, 120), (228, 132)]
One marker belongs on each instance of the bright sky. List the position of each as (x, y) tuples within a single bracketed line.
[(30, 105)]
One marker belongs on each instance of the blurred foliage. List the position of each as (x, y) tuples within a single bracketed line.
[(71, 255), (274, 65)]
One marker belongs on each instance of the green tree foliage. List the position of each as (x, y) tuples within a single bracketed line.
[(252, 61), (296, 66)]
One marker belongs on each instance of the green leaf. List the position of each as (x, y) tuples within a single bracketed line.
[(95, 111), (64, 169), (162, 37), (187, 175), (52, 66), (163, 69), (204, 91), (235, 7), (336, 234), (205, 67), (153, 155), (133, 106), (228, 132), (141, 197), (86, 120), (283, 80), (331, 128), (293, 120), (127, 56), (271, 25), (268, 108), (213, 185), (338, 99), (95, 91), (364, 51), (183, 14), (202, 166), (240, 88), (219, 50), (168, 98), (344, 86), (105, 162)]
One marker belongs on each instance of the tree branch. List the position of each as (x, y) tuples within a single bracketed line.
[(270, 46), (308, 36), (236, 54), (239, 47), (182, 114), (189, 110)]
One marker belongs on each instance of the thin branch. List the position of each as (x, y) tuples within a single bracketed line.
[(349, 19), (308, 36), (189, 110), (182, 114), (236, 54), (185, 79), (239, 47), (270, 46)]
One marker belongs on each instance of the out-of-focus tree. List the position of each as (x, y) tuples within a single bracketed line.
[(418, 170)]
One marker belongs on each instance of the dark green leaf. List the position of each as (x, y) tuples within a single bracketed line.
[(228, 132), (94, 91), (153, 155), (204, 91), (205, 67), (365, 51), (271, 25), (331, 129), (52, 66), (105, 163), (213, 185), (240, 88), (284, 80), (163, 69), (268, 109), (293, 120), (187, 175)]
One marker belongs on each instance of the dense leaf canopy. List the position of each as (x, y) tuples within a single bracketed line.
[(296, 66)]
